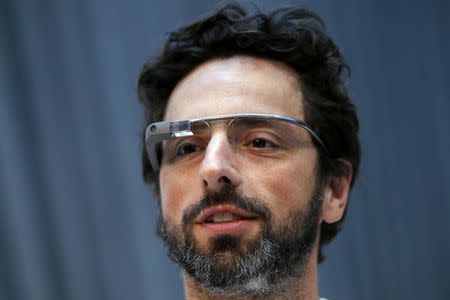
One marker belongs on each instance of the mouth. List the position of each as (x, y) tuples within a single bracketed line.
[(225, 219)]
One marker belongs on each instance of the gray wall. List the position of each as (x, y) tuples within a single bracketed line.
[(76, 221)]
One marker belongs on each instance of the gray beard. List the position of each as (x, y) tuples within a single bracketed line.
[(271, 264)]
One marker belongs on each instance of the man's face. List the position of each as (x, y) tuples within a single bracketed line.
[(223, 207)]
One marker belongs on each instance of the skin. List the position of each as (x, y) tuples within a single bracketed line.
[(243, 84)]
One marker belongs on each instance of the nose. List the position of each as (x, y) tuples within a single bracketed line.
[(219, 165)]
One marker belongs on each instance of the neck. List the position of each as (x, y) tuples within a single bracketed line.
[(304, 288)]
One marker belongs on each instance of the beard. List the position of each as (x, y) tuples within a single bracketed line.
[(271, 263)]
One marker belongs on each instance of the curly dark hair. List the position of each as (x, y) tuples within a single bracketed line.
[(294, 36)]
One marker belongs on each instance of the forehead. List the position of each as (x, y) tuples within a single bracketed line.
[(239, 84)]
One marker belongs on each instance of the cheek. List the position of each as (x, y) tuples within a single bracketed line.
[(177, 193), (286, 185)]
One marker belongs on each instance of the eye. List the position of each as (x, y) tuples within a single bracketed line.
[(183, 149), (262, 143), (186, 149)]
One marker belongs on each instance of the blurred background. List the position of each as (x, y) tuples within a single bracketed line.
[(76, 220)]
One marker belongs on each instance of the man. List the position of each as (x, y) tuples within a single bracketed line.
[(251, 146)]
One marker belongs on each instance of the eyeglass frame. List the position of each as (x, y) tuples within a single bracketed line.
[(166, 130)]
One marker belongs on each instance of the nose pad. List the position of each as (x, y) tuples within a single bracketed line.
[(219, 165)]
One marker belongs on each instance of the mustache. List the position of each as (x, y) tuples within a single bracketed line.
[(226, 195)]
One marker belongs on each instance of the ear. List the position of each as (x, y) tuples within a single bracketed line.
[(336, 194)]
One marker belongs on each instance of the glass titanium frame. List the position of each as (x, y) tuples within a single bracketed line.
[(166, 130)]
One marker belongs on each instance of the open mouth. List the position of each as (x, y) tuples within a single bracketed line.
[(225, 217), (224, 214)]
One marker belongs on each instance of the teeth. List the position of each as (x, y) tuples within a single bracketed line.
[(225, 217)]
